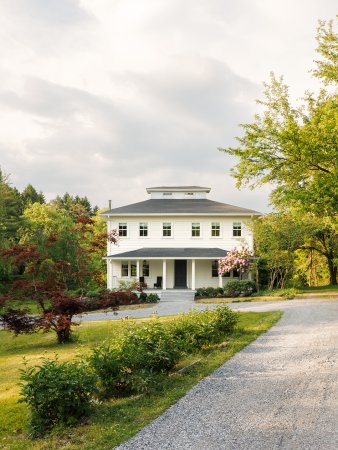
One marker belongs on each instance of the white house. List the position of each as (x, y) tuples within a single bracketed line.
[(174, 239)]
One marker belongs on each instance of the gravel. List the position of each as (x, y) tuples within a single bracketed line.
[(280, 392)]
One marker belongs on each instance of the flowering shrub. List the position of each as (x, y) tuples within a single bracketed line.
[(238, 259)]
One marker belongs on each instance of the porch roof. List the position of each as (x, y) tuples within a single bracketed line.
[(171, 253)]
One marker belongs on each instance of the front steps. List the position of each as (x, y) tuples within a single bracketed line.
[(177, 295)]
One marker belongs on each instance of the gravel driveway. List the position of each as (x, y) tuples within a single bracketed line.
[(280, 392)]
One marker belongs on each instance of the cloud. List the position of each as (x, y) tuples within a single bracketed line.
[(104, 98)]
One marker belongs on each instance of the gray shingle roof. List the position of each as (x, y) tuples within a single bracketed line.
[(178, 206), (173, 253)]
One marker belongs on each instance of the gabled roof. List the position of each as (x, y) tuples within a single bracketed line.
[(171, 253), (180, 207)]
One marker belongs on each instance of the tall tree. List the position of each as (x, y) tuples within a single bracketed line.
[(10, 210), (30, 195), (296, 147)]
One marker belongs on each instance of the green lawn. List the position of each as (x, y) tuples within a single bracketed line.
[(115, 420), (319, 292)]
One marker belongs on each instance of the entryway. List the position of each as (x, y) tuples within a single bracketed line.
[(180, 274)]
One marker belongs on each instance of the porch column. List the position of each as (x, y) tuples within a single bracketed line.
[(193, 266), (138, 269), (164, 275), (110, 275), (220, 281)]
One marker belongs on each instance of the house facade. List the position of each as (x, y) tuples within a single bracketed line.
[(174, 239)]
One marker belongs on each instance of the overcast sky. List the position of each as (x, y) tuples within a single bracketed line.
[(107, 97)]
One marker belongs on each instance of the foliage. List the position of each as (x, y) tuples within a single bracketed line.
[(56, 393), (236, 258), (155, 348), (232, 288), (152, 298), (294, 147), (277, 236), (327, 39)]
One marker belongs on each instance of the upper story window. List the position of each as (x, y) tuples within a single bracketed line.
[(166, 229), (167, 194), (215, 229), (195, 229), (237, 229), (143, 229), (123, 229)]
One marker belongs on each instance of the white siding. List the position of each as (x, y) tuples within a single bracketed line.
[(181, 233)]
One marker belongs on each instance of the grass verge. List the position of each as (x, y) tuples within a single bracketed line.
[(318, 292), (118, 419)]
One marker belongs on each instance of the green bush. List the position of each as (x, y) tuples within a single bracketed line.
[(219, 292), (152, 298), (132, 363), (211, 292), (56, 393), (147, 350), (200, 292), (232, 288), (248, 287)]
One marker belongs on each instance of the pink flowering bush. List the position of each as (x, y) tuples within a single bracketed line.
[(237, 258)]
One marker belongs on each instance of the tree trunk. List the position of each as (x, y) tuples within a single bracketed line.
[(332, 270), (63, 335)]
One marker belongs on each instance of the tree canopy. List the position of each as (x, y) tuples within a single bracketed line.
[(295, 147)]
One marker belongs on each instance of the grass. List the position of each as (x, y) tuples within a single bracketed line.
[(320, 292), (118, 419)]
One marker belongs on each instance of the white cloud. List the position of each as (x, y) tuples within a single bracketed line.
[(105, 98)]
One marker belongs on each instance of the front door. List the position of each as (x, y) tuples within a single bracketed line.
[(180, 273)]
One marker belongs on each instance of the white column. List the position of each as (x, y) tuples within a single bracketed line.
[(138, 269), (164, 275), (109, 274), (220, 281), (193, 284)]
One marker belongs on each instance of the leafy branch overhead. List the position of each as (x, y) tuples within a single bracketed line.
[(295, 147)]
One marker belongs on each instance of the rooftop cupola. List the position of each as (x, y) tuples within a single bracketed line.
[(178, 192)]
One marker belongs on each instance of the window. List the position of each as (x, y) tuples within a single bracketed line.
[(133, 269), (214, 268), (195, 229), (237, 229), (123, 230), (167, 194), (215, 229), (166, 229), (145, 268), (124, 269), (189, 194), (143, 229), (235, 273)]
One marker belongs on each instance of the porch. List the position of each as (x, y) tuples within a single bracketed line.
[(166, 269)]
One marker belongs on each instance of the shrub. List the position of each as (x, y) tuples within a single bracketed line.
[(132, 363), (232, 288), (200, 292), (152, 298), (247, 287), (219, 292), (56, 393), (211, 292)]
